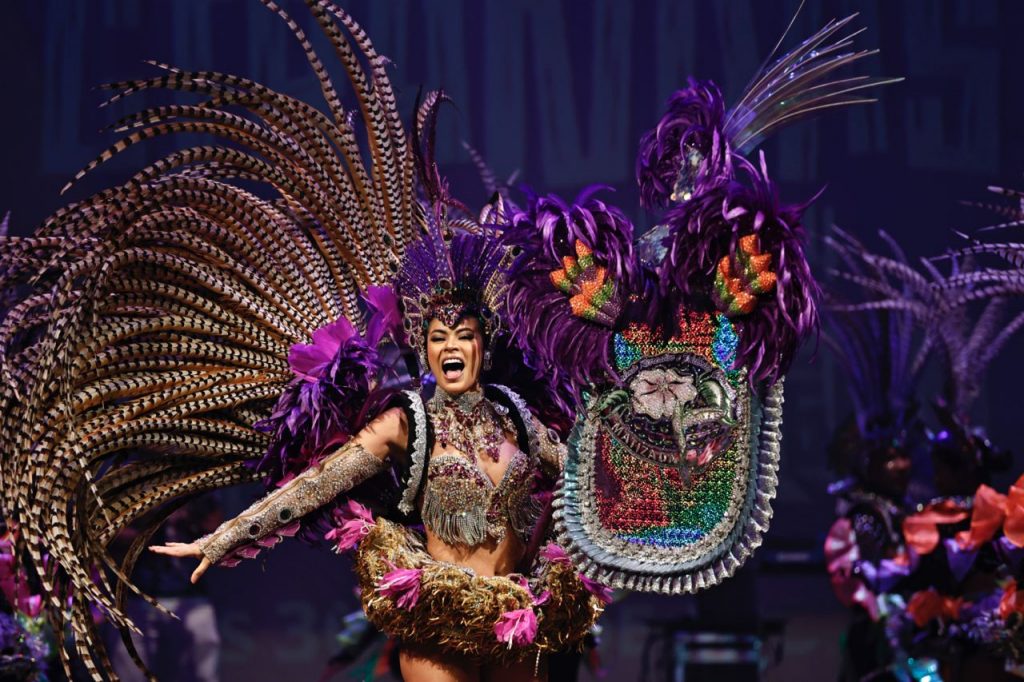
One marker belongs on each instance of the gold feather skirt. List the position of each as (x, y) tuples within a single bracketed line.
[(457, 611)]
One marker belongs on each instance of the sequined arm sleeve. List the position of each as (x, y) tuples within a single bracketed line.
[(308, 491), (551, 449)]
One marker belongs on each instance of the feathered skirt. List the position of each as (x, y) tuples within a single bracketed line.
[(428, 604)]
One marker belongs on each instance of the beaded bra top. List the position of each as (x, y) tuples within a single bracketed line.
[(461, 504)]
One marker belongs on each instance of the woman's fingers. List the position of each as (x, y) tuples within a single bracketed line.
[(198, 573), (184, 549), (177, 549)]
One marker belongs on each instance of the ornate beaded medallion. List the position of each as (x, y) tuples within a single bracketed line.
[(669, 478)]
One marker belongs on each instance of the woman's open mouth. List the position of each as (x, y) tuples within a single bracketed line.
[(452, 368)]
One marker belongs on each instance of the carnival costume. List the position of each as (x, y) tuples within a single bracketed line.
[(882, 354), (946, 587), (178, 334)]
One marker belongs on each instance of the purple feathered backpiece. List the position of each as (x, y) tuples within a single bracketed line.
[(538, 314), (692, 166), (708, 228)]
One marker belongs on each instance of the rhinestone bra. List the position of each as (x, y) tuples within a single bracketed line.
[(461, 504)]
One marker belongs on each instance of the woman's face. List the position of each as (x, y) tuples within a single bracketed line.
[(455, 354)]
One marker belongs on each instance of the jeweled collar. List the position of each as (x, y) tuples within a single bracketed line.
[(465, 401)]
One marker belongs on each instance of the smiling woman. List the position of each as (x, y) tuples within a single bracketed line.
[(247, 338)]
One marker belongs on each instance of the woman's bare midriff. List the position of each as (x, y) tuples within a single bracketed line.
[(490, 558)]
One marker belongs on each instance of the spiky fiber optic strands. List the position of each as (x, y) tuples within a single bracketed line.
[(155, 317), (799, 83)]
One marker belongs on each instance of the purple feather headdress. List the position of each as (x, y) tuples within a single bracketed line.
[(881, 353), (449, 274), (539, 316), (968, 312), (877, 355), (708, 228)]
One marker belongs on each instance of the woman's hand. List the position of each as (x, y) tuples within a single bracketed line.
[(184, 549)]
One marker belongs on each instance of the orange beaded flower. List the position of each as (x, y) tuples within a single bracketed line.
[(592, 295), (741, 278)]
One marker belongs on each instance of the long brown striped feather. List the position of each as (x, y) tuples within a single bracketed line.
[(154, 317)]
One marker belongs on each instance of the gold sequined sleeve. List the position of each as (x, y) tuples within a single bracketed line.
[(551, 449), (308, 491)]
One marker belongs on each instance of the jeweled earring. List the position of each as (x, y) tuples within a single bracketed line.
[(487, 359)]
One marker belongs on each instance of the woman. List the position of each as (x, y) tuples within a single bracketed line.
[(473, 490)]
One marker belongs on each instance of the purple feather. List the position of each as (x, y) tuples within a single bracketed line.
[(878, 351), (687, 147), (708, 228), (327, 403), (385, 319), (319, 411), (310, 361), (559, 343)]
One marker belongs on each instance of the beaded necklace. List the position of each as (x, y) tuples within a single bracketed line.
[(469, 423)]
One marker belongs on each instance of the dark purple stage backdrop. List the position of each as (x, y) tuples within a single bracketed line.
[(560, 92)]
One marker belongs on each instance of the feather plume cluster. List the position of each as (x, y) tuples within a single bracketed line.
[(559, 342), (152, 321), (692, 169), (709, 227), (687, 151)]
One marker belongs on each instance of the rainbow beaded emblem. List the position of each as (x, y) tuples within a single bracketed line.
[(670, 476)]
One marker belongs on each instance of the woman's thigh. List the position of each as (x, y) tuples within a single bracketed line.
[(423, 666)]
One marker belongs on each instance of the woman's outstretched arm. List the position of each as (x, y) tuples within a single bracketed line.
[(361, 458)]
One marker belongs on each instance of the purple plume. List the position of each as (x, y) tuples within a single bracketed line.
[(319, 411), (686, 148), (310, 361), (402, 585), (881, 357), (559, 343), (708, 227), (326, 404), (352, 521), (385, 319), (517, 627)]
